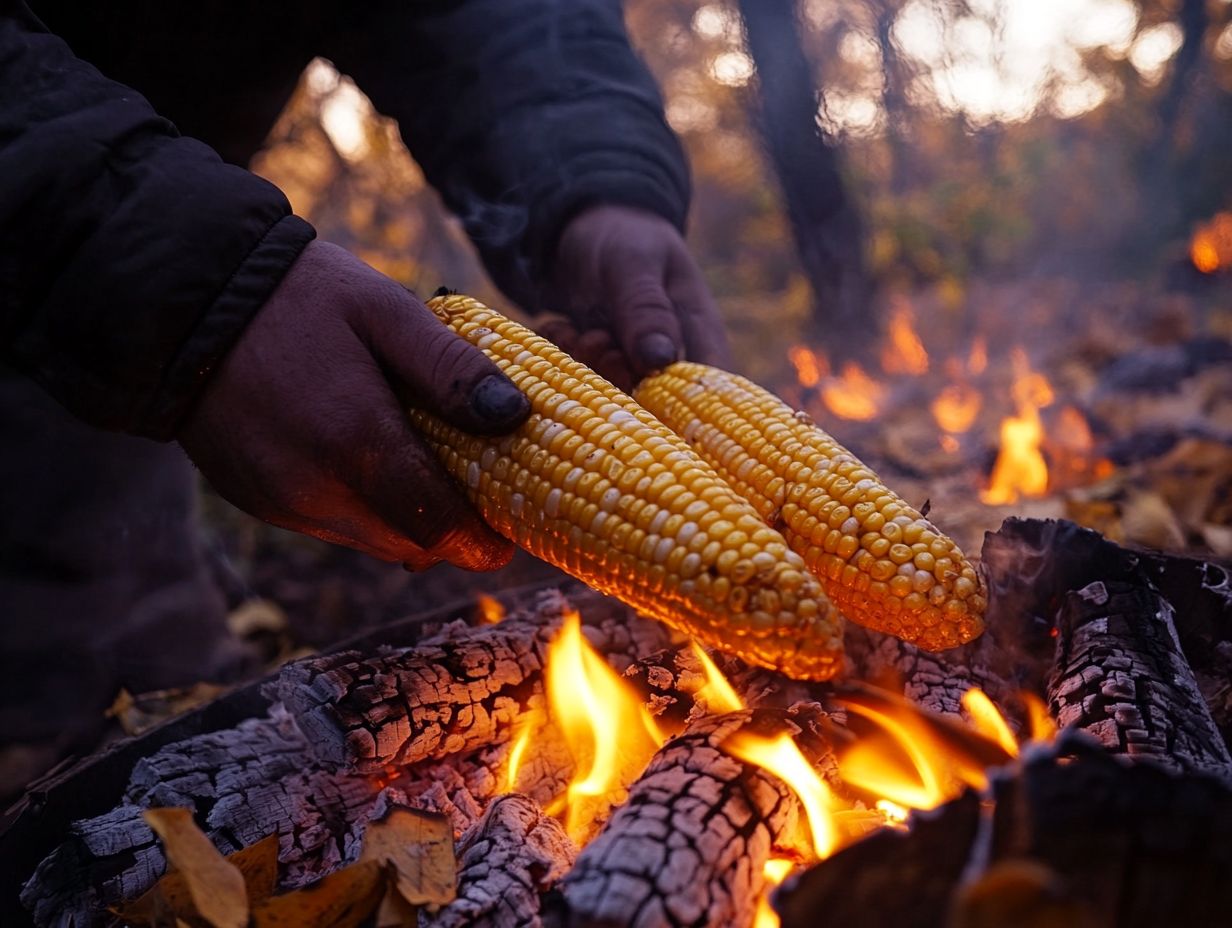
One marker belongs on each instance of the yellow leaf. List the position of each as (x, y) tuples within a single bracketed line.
[(341, 900), (215, 886), (170, 898), (419, 847)]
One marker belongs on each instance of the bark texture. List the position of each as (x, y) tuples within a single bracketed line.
[(1120, 677), (689, 845), (506, 860)]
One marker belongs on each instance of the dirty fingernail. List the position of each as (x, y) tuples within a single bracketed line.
[(655, 350), (499, 402)]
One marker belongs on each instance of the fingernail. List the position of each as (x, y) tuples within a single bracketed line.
[(499, 402), (655, 350)]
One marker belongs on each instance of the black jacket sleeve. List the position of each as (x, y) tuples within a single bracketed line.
[(521, 113), (131, 258)]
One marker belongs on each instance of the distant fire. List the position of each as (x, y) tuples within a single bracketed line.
[(1210, 249), (956, 408), (810, 367), (903, 353), (853, 394), (1020, 469)]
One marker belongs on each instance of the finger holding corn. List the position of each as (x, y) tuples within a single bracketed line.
[(597, 486), (883, 564)]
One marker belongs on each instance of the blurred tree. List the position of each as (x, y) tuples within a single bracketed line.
[(825, 223)]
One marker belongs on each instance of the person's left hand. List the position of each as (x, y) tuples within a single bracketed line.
[(630, 287)]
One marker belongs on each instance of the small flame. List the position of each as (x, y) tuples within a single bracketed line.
[(781, 757), (893, 812), (977, 359), (904, 354), (490, 609), (987, 719), (1020, 469), (1210, 249), (1039, 722), (606, 728), (956, 407), (774, 871), (810, 367), (716, 692), (853, 394), (521, 740)]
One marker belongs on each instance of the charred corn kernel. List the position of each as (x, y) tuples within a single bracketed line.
[(881, 562), (597, 486)]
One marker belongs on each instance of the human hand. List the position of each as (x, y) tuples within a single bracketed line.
[(627, 281), (303, 423)]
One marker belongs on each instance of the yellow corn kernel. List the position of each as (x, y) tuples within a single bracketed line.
[(671, 552), (832, 509)]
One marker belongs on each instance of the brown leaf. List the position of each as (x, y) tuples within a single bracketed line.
[(419, 846), (341, 900), (214, 885), (170, 897), (394, 911)]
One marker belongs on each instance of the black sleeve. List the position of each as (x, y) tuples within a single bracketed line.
[(131, 258), (521, 113)]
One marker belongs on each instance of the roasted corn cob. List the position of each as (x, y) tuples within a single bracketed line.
[(595, 485), (881, 562)]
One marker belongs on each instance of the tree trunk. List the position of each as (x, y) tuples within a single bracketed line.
[(827, 228)]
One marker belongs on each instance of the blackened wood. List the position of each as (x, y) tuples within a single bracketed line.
[(506, 861), (1120, 677), (464, 688), (891, 878), (689, 845), (1118, 845)]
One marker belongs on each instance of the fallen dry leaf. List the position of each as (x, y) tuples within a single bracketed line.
[(138, 713), (215, 886), (394, 911), (419, 847), (170, 897), (341, 900)]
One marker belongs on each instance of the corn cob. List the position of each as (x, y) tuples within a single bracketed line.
[(880, 561), (595, 485)]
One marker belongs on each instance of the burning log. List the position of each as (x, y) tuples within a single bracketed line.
[(457, 691), (507, 859), (1120, 677), (690, 844)]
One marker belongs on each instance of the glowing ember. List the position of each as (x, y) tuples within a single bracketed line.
[(490, 609), (956, 407), (1020, 469), (810, 367), (988, 721), (1210, 249), (893, 812), (607, 730), (904, 354), (853, 394)]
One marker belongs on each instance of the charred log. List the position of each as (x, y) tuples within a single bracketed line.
[(460, 690), (689, 845), (506, 861), (1082, 840), (1120, 677)]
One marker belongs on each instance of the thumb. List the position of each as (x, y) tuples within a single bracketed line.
[(443, 373), (644, 321)]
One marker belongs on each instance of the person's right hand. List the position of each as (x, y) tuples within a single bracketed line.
[(303, 424)]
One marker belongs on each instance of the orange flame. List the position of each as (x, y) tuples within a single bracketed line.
[(956, 407), (810, 366), (606, 728), (853, 394), (716, 692), (1020, 469), (977, 360), (1040, 723), (490, 609), (1210, 249), (904, 354), (988, 720), (775, 872)]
